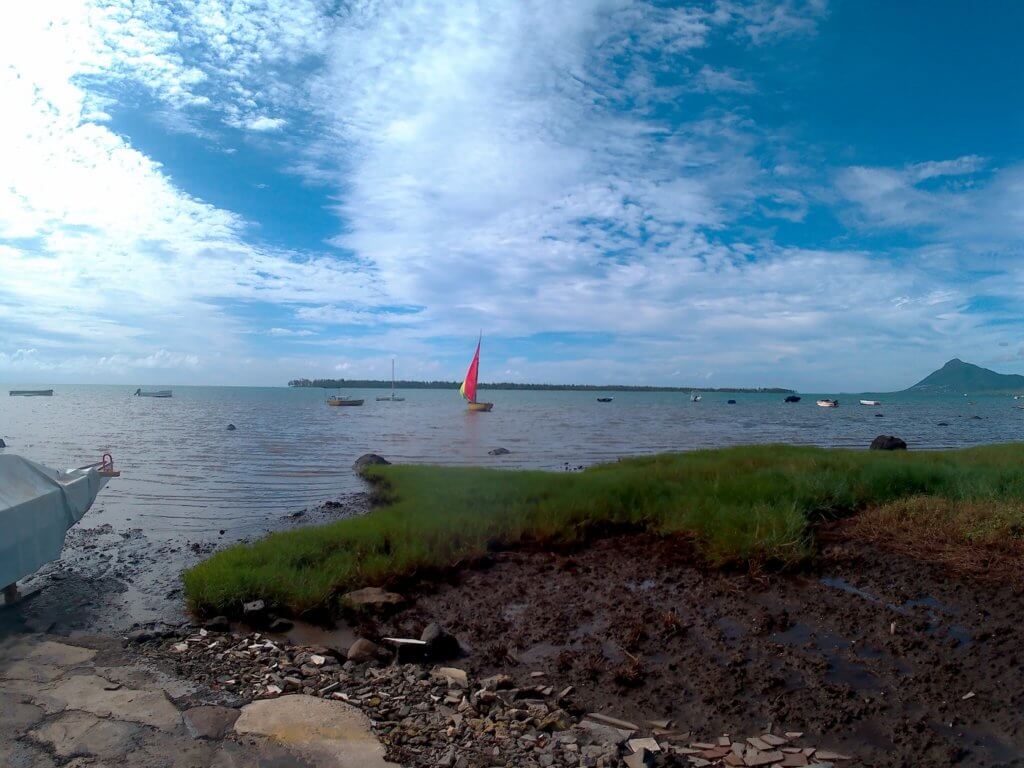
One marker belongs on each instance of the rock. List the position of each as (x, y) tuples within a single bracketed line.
[(454, 676), (362, 651), (218, 624), (943, 424), (407, 649), (498, 451), (639, 759), (321, 732), (2, 443), (231, 427), (280, 625), (888, 443), (253, 608), (792, 398), (209, 722), (371, 599), (440, 644), (139, 636), (368, 460), (730, 402), (879, 415), (496, 683)]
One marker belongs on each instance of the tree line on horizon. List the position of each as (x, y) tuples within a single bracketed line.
[(409, 384)]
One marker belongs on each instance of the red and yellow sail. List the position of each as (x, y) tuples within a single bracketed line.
[(468, 388)]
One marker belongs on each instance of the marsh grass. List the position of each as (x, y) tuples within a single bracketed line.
[(743, 504)]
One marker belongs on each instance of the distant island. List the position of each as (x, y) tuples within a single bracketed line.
[(386, 384), (957, 377)]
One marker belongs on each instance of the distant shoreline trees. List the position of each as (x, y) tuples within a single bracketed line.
[(405, 384)]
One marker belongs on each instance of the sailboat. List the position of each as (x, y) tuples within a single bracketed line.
[(468, 388), (392, 398)]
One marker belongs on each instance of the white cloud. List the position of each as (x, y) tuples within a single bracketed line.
[(266, 124), (724, 80)]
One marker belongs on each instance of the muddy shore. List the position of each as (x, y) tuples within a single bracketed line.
[(886, 657)]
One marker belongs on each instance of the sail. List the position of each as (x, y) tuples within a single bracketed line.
[(468, 388)]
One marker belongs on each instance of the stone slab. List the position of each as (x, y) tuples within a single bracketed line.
[(87, 693), (320, 731), (80, 733), (209, 722)]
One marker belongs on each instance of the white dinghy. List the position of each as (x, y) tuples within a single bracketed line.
[(37, 507)]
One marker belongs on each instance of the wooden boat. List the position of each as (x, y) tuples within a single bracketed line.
[(392, 398), (30, 393), (870, 402), (38, 506), (153, 393), (827, 403), (605, 399), (339, 400), (468, 388)]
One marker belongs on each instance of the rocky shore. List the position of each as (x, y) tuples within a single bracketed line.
[(436, 715)]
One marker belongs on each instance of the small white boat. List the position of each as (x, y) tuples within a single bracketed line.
[(828, 403), (37, 507), (31, 393), (392, 397), (870, 402), (695, 398), (153, 393)]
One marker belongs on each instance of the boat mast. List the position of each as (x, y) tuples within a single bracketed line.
[(392, 378)]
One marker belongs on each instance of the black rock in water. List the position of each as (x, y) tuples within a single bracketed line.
[(942, 424), (888, 443), (498, 451), (731, 402), (792, 398), (2, 443), (231, 427), (368, 460)]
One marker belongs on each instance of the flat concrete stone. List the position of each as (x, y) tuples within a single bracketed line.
[(17, 716), (41, 661), (209, 722), (16, 754), (80, 733), (86, 693), (322, 732)]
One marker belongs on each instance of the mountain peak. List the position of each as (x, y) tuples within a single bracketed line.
[(956, 376)]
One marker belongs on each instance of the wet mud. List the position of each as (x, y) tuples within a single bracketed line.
[(881, 655), (110, 579)]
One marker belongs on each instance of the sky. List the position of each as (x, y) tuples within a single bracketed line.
[(815, 194)]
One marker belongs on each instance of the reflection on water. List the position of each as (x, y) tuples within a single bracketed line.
[(184, 472)]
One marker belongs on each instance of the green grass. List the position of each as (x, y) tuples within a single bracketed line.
[(738, 504)]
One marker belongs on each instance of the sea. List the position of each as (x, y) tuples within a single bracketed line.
[(185, 473)]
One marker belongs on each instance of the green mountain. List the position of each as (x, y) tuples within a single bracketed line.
[(956, 376)]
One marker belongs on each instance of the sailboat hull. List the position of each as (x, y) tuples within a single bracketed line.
[(480, 406)]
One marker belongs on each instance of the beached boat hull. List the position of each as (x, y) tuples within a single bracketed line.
[(37, 507), (31, 393), (480, 406), (338, 401)]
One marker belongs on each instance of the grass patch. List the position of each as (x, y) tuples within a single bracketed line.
[(980, 539), (739, 504)]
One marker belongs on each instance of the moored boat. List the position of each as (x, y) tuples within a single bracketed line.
[(605, 399), (153, 393), (870, 402), (339, 400), (391, 397), (792, 398), (828, 403), (37, 507), (468, 388), (30, 393)]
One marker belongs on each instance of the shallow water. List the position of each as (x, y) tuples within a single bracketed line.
[(184, 473)]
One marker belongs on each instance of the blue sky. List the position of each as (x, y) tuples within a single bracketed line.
[(823, 195)]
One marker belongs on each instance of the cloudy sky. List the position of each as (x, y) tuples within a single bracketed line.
[(822, 195)]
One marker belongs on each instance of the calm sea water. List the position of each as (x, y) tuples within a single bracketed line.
[(184, 473)]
